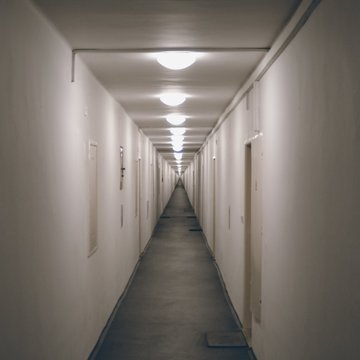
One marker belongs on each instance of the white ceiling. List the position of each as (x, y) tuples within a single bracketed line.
[(117, 39)]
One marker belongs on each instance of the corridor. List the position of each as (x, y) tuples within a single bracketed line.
[(174, 299), (253, 106)]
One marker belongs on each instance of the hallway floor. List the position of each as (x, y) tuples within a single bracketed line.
[(174, 299)]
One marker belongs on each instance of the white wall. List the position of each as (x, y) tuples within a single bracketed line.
[(55, 300), (311, 202), (148, 179)]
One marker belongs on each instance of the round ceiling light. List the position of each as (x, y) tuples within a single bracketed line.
[(172, 99), (175, 119), (178, 131), (177, 148), (178, 156), (176, 60), (177, 139)]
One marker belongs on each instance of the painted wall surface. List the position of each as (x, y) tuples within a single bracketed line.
[(149, 195), (55, 299), (309, 113)]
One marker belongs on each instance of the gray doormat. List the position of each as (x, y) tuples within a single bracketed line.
[(226, 339)]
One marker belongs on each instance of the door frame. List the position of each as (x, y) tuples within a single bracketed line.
[(253, 233)]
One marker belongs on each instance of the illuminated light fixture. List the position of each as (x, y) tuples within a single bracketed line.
[(172, 99), (177, 144), (175, 119), (176, 60), (178, 156), (178, 131), (177, 139), (177, 148)]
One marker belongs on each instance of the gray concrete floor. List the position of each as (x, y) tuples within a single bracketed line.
[(174, 299)]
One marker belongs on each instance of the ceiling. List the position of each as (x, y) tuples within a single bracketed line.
[(118, 40)]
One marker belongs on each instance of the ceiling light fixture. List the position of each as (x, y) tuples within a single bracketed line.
[(179, 143), (177, 139), (172, 99), (176, 60), (177, 148), (178, 156), (175, 119), (178, 131)]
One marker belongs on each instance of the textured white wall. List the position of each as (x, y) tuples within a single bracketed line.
[(55, 300), (311, 203)]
